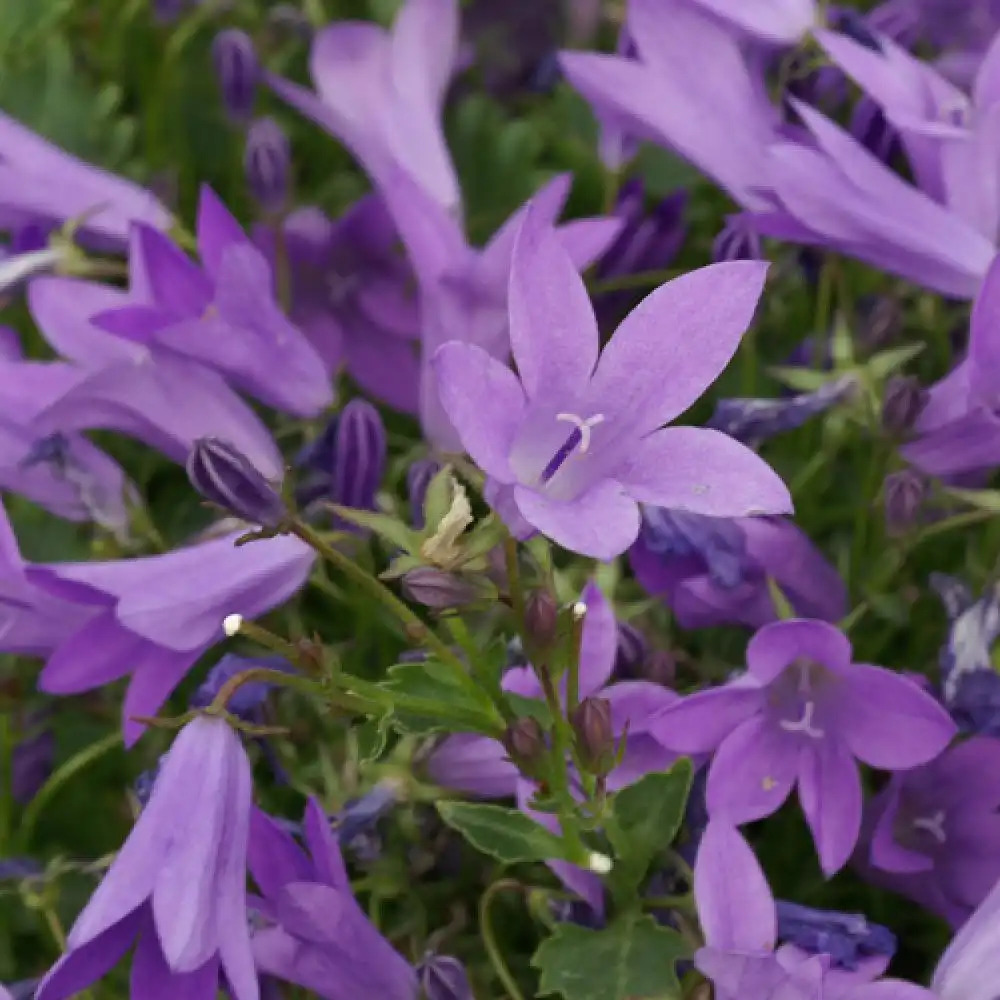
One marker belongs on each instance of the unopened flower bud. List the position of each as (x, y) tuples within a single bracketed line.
[(359, 462), (904, 494), (524, 741), (443, 977), (418, 478), (237, 70), (225, 477), (440, 590), (267, 163), (902, 403), (594, 734), (873, 130), (541, 618), (738, 240)]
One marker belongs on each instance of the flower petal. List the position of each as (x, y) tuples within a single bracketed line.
[(485, 402), (779, 644), (152, 978), (701, 721), (970, 967), (704, 471), (735, 906), (475, 765), (88, 961), (830, 793), (599, 642)]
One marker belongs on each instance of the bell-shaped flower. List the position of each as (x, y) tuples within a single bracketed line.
[(178, 884), (802, 714), (574, 442)]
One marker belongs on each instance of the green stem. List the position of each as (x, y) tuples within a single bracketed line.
[(7, 743), (66, 773), (573, 668), (489, 937), (280, 678), (970, 517), (514, 583)]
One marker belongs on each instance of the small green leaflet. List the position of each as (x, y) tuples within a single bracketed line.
[(505, 834)]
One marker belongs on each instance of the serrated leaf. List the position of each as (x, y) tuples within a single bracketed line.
[(505, 834), (633, 958), (647, 816), (451, 705)]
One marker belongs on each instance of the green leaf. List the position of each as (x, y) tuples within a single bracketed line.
[(647, 816), (389, 528), (438, 498), (988, 500), (431, 698), (631, 959), (533, 708), (505, 834), (781, 603), (886, 362), (372, 737), (800, 379)]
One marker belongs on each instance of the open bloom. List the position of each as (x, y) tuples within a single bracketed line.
[(801, 715), (715, 571), (314, 933), (574, 442), (178, 883), (933, 833)]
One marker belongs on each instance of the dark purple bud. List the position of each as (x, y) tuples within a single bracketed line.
[(738, 240), (15, 869), (872, 129), (524, 741), (824, 87), (974, 700), (442, 977), (418, 478), (631, 652), (716, 542), (166, 11), (226, 478), (851, 23), (440, 590), (575, 911), (754, 420), (359, 461), (267, 164), (904, 493), (541, 618), (249, 698), (143, 785), (360, 816), (237, 70), (902, 403), (847, 938), (32, 763), (594, 735)]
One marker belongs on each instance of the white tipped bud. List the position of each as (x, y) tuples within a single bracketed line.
[(231, 624), (579, 610), (599, 864)]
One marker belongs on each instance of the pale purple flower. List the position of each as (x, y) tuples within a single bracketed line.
[(848, 938), (178, 883), (958, 429), (40, 183), (151, 618), (574, 443), (803, 714), (315, 935), (778, 22), (740, 923), (722, 121), (223, 314), (714, 571), (381, 93), (933, 833)]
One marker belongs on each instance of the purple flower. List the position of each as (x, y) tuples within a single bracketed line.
[(353, 297), (933, 833), (381, 93), (443, 977), (777, 22), (714, 571), (315, 935), (152, 618), (958, 429), (739, 919), (249, 698), (737, 240), (178, 882), (574, 443), (722, 121), (223, 314), (267, 164), (847, 938), (238, 71), (39, 183), (33, 756), (801, 715)]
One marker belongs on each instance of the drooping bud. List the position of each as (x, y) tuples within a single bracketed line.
[(267, 163), (249, 698), (594, 735), (439, 590), (904, 493), (738, 240), (418, 478), (237, 70), (853, 24), (524, 741), (541, 618), (443, 977), (359, 461), (226, 478), (902, 403)]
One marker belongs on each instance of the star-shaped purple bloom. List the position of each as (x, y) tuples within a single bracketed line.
[(573, 443), (178, 883), (801, 715), (933, 833), (314, 933)]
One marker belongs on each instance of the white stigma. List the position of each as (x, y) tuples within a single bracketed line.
[(579, 611), (583, 426), (231, 624), (934, 825), (599, 864), (805, 724)]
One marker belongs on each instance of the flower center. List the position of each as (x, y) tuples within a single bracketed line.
[(794, 698), (805, 723), (934, 825), (578, 441)]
